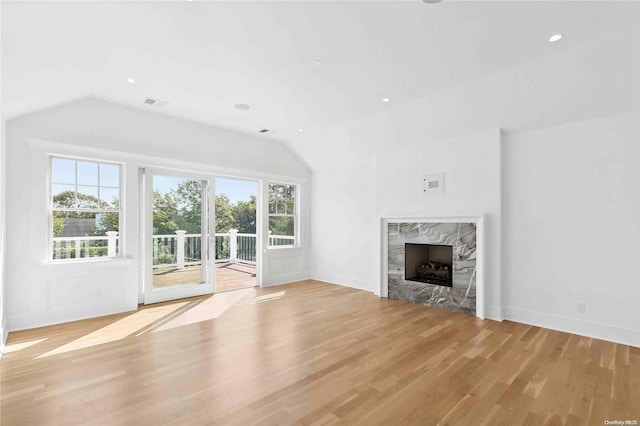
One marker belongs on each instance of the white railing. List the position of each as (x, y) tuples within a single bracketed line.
[(84, 247), (177, 250), (281, 240)]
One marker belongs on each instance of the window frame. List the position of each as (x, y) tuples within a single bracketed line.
[(51, 208), (295, 215)]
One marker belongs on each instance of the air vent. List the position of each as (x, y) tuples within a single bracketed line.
[(157, 103), (264, 130)]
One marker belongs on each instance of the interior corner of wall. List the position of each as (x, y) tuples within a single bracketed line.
[(4, 333), (494, 313)]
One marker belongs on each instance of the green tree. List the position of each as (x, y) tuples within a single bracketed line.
[(106, 221), (165, 211), (188, 201), (244, 215), (58, 224), (224, 214), (281, 202), (181, 208), (69, 200)]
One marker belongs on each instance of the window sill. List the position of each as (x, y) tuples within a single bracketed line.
[(278, 248), (89, 261)]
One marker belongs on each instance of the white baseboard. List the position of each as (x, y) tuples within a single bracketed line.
[(596, 330), (29, 321), (493, 313), (345, 282), (286, 279), (4, 333)]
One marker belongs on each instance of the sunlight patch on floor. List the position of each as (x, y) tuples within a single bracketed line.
[(20, 346), (209, 309), (120, 329), (269, 297)]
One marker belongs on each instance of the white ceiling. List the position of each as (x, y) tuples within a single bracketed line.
[(204, 57)]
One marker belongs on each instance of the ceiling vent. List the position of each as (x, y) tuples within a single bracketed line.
[(156, 103), (264, 130)]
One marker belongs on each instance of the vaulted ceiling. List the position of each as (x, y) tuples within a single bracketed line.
[(299, 65)]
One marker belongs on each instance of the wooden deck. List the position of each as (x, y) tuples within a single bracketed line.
[(229, 276)]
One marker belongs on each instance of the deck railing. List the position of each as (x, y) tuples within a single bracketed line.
[(84, 247), (177, 250)]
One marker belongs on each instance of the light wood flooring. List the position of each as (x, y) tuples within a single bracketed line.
[(311, 353)]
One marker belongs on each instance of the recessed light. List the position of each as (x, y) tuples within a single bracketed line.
[(131, 80), (301, 130), (555, 37), (241, 107), (385, 99), (432, 1)]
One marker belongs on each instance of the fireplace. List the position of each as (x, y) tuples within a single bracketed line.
[(414, 242), (429, 263)]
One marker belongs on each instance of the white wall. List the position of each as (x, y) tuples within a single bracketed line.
[(40, 293), (385, 179), (472, 187), (371, 167), (572, 227), (343, 195), (3, 325), (4, 330)]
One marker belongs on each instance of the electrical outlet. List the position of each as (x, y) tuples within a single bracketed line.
[(580, 307)]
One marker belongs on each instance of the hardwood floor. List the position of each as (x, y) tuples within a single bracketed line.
[(311, 353)]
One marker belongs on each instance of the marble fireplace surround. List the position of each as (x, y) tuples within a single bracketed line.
[(468, 270)]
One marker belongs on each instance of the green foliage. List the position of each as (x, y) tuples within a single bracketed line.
[(282, 199), (281, 225), (188, 202), (282, 202), (244, 216), (165, 211), (58, 225), (70, 252), (164, 256), (181, 209), (224, 214), (106, 221)]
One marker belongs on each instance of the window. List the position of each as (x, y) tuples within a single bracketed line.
[(85, 209), (282, 214)]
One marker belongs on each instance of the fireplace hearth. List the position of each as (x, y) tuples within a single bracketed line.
[(432, 263)]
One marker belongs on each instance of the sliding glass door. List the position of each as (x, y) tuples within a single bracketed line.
[(178, 235)]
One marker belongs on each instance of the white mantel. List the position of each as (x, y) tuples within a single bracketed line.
[(480, 241)]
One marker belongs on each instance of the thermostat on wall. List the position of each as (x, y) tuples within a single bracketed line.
[(433, 184)]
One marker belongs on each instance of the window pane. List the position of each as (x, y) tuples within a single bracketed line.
[(83, 235), (282, 202), (87, 197), (109, 198), (87, 173), (64, 196), (177, 204), (75, 186), (291, 202), (63, 171), (282, 231), (110, 175)]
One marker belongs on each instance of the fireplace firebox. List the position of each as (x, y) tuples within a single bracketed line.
[(429, 263)]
